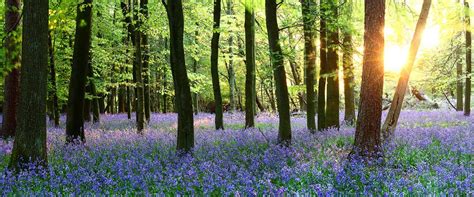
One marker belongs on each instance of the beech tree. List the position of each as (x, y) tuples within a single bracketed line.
[(30, 138), (332, 97), (250, 86), (467, 94), (12, 80), (219, 121), (323, 66), (309, 20), (283, 102), (367, 136), (174, 9), (80, 62)]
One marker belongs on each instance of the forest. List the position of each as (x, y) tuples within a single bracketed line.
[(236, 97)]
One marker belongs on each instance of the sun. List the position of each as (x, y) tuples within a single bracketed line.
[(396, 54)]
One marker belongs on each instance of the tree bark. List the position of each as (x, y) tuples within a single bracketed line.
[(283, 103), (231, 72), (323, 67), (30, 138), (138, 71), (183, 103), (12, 64), (467, 99), (82, 45), (250, 86), (332, 101), (146, 58), (392, 117), (309, 20), (54, 89), (219, 121), (367, 136), (348, 68)]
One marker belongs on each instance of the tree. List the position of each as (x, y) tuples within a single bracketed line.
[(392, 117), (231, 72), (82, 46), (12, 80), (309, 20), (30, 139), (250, 86), (323, 67), (138, 70), (367, 136), (283, 102), (467, 99), (348, 68), (146, 60), (459, 77), (54, 88), (332, 100), (174, 9), (215, 65)]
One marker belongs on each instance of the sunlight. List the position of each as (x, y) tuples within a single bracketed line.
[(396, 54)]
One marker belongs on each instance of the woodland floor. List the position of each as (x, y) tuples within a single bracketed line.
[(432, 152)]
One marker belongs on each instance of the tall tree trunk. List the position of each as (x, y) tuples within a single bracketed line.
[(12, 63), (138, 71), (459, 77), (332, 101), (367, 136), (467, 99), (183, 103), (195, 95), (323, 70), (146, 57), (392, 117), (219, 122), (231, 72), (82, 45), (30, 137), (348, 68), (54, 89), (309, 20), (283, 103), (250, 85)]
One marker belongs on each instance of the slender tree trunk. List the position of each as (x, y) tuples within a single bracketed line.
[(219, 122), (283, 103), (459, 84), (348, 68), (323, 70), (183, 103), (138, 71), (195, 95), (309, 20), (250, 96), (30, 137), (296, 72), (87, 100), (332, 101), (146, 57), (467, 99), (82, 45), (392, 117), (231, 72), (367, 136), (54, 88), (12, 63), (94, 102)]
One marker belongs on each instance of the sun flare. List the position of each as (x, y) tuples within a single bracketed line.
[(396, 54)]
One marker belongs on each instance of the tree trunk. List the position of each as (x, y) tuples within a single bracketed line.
[(332, 101), (250, 85), (219, 121), (146, 57), (195, 95), (323, 68), (392, 117), (138, 70), (348, 68), (183, 103), (467, 99), (309, 20), (296, 72), (30, 137), (283, 103), (54, 88), (231, 72), (82, 45), (367, 136), (12, 64)]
